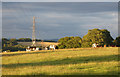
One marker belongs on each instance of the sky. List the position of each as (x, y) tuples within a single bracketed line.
[(59, 0), (55, 20)]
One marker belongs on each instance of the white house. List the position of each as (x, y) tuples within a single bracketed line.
[(52, 47), (32, 48)]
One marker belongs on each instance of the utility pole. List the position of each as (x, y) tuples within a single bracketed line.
[(33, 33)]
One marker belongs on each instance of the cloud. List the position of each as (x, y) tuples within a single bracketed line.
[(84, 7), (60, 1), (56, 20)]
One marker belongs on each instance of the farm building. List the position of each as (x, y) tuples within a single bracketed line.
[(51, 47), (32, 48)]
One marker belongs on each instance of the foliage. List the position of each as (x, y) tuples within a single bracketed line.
[(101, 37), (11, 45), (30, 40), (49, 41), (70, 42), (8, 42), (24, 40), (117, 41)]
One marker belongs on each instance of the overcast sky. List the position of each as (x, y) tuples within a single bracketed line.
[(59, 0), (56, 20)]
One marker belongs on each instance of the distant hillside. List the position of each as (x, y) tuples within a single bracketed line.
[(38, 43), (51, 40)]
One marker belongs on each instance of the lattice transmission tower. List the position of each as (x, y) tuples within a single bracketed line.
[(33, 33)]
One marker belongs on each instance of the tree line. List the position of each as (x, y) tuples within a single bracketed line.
[(101, 37), (13, 45)]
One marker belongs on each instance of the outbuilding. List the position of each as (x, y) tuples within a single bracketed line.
[(32, 48)]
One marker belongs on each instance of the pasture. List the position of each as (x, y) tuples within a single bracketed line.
[(78, 61), (38, 43)]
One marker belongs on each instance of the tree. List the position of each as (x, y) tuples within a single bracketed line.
[(117, 41), (4, 41), (13, 41), (24, 39), (101, 37), (70, 42), (11, 45)]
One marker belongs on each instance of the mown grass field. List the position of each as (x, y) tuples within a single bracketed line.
[(38, 43), (80, 61)]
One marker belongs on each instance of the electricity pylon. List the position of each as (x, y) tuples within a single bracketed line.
[(33, 33)]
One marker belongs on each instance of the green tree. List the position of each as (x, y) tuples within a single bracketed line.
[(70, 42), (4, 41), (11, 45), (13, 41), (117, 41), (24, 40), (101, 37)]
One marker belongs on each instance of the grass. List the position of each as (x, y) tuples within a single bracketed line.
[(38, 43), (80, 61)]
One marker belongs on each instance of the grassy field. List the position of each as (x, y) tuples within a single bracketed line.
[(38, 43), (80, 61)]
